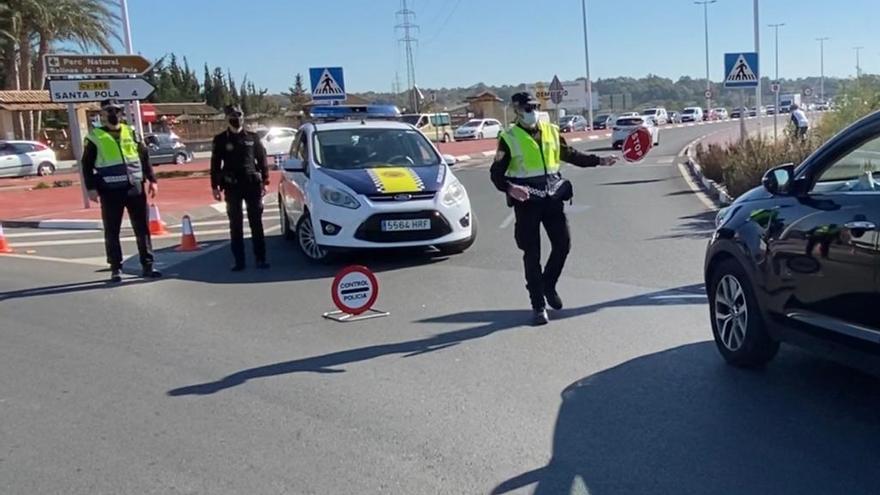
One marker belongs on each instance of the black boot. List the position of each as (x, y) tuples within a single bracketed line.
[(262, 265), (540, 317), (115, 275), (553, 299), (237, 267), (149, 272)]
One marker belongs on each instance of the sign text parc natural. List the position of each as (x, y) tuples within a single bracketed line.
[(95, 65)]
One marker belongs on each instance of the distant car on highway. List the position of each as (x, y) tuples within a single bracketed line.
[(721, 113), (573, 123), (795, 260), (358, 178), (276, 140), (770, 109), (692, 114), (674, 117), (604, 120), (755, 112), (23, 158), (624, 126), (739, 112), (478, 129), (167, 148), (658, 114)]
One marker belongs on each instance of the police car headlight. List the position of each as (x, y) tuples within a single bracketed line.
[(336, 197), (454, 193)]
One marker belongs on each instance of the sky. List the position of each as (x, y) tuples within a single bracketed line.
[(463, 42)]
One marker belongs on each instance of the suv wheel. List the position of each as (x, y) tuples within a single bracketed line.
[(737, 325), (180, 158)]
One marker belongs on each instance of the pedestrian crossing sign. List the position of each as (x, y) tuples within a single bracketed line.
[(327, 83), (741, 70)]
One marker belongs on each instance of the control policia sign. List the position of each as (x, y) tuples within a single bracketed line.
[(354, 291)]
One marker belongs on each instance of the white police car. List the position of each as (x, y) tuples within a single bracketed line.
[(354, 182)]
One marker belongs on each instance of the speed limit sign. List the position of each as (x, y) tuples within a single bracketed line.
[(708, 94), (808, 92)]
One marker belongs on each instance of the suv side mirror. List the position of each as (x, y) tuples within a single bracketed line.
[(779, 180), (294, 165)]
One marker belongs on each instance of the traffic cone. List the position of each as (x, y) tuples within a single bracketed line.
[(157, 226), (4, 246), (187, 236)]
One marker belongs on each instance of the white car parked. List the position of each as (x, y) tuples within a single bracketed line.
[(277, 140), (627, 125), (658, 114), (478, 129), (21, 158), (692, 114), (366, 184)]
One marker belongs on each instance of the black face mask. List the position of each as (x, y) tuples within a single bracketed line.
[(113, 118), (235, 122)]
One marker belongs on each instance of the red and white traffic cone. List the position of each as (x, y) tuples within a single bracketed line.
[(157, 226), (4, 245), (187, 236)]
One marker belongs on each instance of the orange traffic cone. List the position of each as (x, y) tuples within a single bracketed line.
[(157, 226), (4, 246), (187, 236)]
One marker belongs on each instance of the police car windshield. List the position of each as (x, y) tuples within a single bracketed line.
[(347, 149)]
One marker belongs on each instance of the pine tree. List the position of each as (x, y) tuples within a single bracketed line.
[(297, 94), (233, 90), (208, 88), (244, 98), (219, 89)]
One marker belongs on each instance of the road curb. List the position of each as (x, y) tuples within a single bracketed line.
[(715, 190)]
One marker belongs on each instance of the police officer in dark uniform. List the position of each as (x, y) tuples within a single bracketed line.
[(116, 169), (526, 168), (239, 172)]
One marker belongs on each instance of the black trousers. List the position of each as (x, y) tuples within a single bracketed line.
[(529, 218), (113, 205), (252, 196)]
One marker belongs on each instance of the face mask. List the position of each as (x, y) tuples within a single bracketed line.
[(235, 122), (113, 119), (529, 119)]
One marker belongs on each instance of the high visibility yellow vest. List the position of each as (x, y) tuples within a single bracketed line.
[(528, 158), (118, 162)]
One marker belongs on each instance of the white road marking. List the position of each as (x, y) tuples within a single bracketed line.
[(666, 159), (698, 192), (74, 261), (75, 242), (50, 233), (691, 125), (679, 126), (594, 138)]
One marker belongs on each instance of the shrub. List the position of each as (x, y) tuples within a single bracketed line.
[(42, 185), (712, 160), (62, 183)]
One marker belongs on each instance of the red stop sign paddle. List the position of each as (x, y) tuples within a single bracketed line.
[(637, 145)]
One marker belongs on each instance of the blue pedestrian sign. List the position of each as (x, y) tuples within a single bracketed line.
[(327, 83), (741, 70)]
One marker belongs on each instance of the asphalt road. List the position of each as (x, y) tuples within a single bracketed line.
[(211, 382)]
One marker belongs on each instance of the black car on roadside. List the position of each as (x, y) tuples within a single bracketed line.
[(604, 121), (167, 148), (797, 260), (573, 123)]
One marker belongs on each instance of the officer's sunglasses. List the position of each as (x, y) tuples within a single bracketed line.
[(528, 107)]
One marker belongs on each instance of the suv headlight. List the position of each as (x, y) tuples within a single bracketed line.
[(336, 197), (721, 217), (454, 193)]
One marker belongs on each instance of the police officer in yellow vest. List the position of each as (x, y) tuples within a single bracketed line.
[(526, 169), (117, 171)]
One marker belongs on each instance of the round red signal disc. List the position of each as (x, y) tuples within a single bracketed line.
[(355, 289), (636, 145)]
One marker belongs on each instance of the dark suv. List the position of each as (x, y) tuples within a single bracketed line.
[(798, 259), (167, 148)]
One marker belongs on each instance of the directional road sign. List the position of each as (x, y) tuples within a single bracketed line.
[(95, 65), (741, 70), (328, 83), (556, 90), (83, 90)]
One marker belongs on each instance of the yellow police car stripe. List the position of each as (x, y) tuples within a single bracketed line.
[(392, 180)]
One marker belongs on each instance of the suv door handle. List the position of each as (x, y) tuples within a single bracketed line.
[(860, 225)]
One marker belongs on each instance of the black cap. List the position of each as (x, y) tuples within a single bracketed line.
[(231, 109), (111, 103), (523, 99)]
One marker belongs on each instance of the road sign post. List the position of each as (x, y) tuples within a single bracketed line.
[(354, 291), (557, 91), (741, 71)]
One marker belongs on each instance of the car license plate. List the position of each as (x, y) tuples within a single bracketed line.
[(406, 225)]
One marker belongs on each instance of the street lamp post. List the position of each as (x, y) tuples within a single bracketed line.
[(858, 65), (135, 107), (778, 85), (822, 67), (705, 4), (589, 81)]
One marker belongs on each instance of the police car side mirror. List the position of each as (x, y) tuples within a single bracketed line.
[(294, 165), (449, 159)]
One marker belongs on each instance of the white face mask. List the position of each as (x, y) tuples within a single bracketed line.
[(529, 119)]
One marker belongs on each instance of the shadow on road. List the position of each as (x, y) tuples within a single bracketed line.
[(682, 422), (697, 226), (484, 324), (53, 290), (634, 182)]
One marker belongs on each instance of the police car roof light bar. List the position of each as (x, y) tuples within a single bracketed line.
[(339, 112)]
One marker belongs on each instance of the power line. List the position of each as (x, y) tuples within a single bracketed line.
[(443, 24), (409, 29)]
